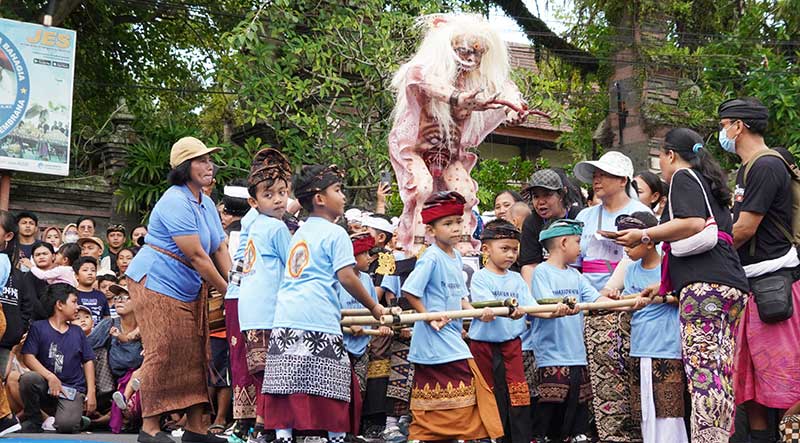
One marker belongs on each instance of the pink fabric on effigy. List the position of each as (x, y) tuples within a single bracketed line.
[(432, 133), (409, 136), (767, 363)]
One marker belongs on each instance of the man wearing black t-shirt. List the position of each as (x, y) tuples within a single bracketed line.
[(762, 212)]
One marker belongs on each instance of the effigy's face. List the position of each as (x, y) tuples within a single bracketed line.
[(469, 52)]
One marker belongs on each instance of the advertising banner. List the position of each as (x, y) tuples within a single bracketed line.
[(37, 66)]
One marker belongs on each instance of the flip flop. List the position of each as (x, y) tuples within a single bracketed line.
[(220, 429)]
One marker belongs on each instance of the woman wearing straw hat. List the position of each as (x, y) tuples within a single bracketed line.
[(608, 335), (185, 246)]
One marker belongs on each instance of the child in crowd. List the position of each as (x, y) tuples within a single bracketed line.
[(450, 399), (263, 264), (56, 269), (124, 257), (307, 376), (356, 343), (86, 274), (125, 358), (84, 320), (564, 391), (518, 213), (61, 381), (104, 282), (376, 411), (655, 345), (496, 346)]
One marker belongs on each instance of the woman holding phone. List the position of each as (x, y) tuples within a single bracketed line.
[(709, 281)]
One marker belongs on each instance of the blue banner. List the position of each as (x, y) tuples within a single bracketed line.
[(37, 67)]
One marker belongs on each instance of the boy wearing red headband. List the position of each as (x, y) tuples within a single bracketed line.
[(307, 375), (356, 343), (450, 400)]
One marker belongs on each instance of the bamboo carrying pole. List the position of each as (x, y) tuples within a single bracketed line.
[(371, 332), (499, 311), (495, 303), (365, 311)]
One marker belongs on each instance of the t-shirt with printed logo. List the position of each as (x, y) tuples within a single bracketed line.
[(438, 281), (63, 354)]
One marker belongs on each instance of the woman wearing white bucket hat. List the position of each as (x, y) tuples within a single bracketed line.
[(611, 178)]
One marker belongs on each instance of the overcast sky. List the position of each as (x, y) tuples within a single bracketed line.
[(512, 32)]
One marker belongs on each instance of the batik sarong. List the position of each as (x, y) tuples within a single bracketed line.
[(401, 376), (375, 401), (709, 319), (608, 344), (245, 386), (308, 382), (562, 403)]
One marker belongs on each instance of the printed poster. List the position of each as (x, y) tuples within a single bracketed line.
[(37, 67)]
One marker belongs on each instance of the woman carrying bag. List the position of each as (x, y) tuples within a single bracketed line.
[(703, 269)]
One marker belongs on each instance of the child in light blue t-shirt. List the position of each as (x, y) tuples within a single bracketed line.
[(499, 340), (655, 342), (356, 342), (307, 376), (558, 344), (447, 386)]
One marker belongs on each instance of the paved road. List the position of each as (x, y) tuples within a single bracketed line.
[(85, 437)]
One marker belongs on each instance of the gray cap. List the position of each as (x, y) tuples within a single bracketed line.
[(547, 179)]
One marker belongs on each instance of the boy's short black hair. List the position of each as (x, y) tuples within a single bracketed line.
[(76, 265), (646, 217), (301, 180), (27, 214), (58, 292), (41, 244), (181, 174), (71, 251), (106, 277), (84, 218)]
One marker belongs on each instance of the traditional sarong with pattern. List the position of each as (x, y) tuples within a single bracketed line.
[(608, 344), (175, 341), (307, 372), (709, 318), (245, 386), (360, 365), (452, 401), (501, 367), (668, 388), (562, 402), (401, 376), (554, 384), (256, 343), (375, 402), (308, 362), (767, 365), (531, 373)]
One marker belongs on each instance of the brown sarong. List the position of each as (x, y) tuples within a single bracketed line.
[(174, 371), (452, 401), (668, 388)]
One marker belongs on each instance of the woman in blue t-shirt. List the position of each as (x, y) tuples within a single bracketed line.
[(184, 245), (608, 334)]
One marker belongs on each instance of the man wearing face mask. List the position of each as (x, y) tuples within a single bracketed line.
[(762, 229)]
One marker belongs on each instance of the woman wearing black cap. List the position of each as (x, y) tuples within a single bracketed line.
[(548, 194), (703, 269)]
